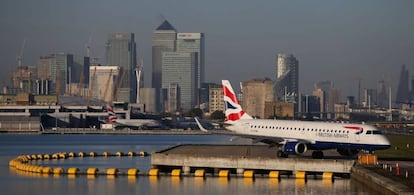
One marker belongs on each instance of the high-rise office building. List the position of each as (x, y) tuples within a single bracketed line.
[(121, 51), (403, 91), (193, 42), (58, 69), (382, 94), (163, 39), (287, 78), (328, 96), (181, 68)]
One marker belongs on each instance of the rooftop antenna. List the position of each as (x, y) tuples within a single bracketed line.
[(88, 46)]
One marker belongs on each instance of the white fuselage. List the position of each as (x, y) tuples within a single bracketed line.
[(137, 122), (318, 134)]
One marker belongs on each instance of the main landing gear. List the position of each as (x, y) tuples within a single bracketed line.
[(317, 154), (281, 154)]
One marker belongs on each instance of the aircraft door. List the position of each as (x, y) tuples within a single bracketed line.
[(357, 137)]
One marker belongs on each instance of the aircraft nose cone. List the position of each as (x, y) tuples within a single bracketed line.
[(385, 141)]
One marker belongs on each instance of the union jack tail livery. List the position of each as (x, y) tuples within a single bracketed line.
[(233, 109), (111, 115)]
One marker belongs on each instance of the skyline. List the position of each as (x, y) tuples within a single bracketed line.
[(335, 41)]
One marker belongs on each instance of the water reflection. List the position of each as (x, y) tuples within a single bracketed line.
[(17, 182)]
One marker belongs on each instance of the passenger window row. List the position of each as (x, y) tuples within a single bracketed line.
[(300, 129)]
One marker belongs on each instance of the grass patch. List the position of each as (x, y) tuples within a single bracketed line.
[(398, 149)]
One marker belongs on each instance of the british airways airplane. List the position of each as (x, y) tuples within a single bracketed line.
[(130, 123), (296, 137)]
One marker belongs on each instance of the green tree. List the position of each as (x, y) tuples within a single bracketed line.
[(217, 115), (195, 112)]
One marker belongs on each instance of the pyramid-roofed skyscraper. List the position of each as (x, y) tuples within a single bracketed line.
[(163, 39)]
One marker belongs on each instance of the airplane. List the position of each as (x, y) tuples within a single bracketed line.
[(130, 123), (296, 137)]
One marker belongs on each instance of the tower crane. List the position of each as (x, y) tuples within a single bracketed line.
[(19, 63)]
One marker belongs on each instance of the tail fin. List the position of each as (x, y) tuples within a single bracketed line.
[(111, 114), (233, 108)]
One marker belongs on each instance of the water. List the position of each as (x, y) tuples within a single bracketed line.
[(16, 182)]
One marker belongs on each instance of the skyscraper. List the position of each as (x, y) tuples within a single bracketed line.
[(403, 91), (180, 68), (287, 78), (121, 51), (193, 42), (382, 94), (163, 39), (56, 68)]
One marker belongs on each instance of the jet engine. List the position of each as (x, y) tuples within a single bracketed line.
[(295, 148)]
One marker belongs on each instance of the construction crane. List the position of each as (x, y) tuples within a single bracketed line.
[(119, 85), (106, 87), (19, 63), (92, 83)]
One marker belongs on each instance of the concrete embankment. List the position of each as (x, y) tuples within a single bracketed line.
[(379, 183)]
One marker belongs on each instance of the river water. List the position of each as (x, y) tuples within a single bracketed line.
[(17, 182)]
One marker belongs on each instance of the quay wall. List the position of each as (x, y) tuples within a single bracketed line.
[(288, 164), (379, 183)]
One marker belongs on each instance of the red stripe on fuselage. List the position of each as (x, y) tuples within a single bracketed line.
[(354, 127)]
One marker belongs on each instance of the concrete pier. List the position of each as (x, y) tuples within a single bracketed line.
[(239, 158)]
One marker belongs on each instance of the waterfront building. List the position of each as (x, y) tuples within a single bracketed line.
[(256, 93), (181, 68), (121, 51)]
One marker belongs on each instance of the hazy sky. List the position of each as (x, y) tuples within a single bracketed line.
[(333, 40)]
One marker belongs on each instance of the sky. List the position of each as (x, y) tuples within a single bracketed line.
[(333, 40)]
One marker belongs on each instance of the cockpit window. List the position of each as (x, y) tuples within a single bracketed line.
[(375, 132)]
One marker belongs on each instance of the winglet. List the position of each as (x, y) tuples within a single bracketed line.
[(200, 126)]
